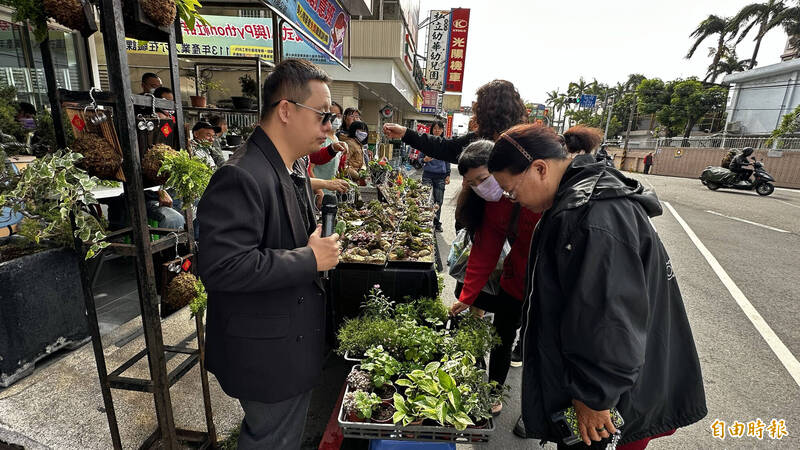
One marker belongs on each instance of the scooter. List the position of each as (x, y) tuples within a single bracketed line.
[(715, 178)]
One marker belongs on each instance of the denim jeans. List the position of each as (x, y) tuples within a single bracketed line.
[(438, 184), (166, 216)]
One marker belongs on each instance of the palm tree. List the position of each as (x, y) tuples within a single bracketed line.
[(711, 26), (634, 80), (729, 64), (789, 18), (762, 14)]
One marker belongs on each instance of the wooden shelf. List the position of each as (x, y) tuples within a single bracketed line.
[(222, 110)]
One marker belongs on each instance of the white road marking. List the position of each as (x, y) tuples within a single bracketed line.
[(747, 221), (794, 191), (787, 203), (781, 351)]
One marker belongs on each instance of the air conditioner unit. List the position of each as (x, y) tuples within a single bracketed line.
[(734, 127)]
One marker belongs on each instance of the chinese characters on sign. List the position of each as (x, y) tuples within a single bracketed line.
[(459, 27), (776, 429), (438, 32), (235, 36), (430, 101)]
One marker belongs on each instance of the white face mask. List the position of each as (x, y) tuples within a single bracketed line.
[(489, 190), (361, 136), (336, 124)]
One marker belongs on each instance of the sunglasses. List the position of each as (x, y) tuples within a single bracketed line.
[(326, 117)]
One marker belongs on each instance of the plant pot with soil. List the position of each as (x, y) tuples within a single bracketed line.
[(360, 406), (249, 93), (383, 413), (198, 101), (386, 392)]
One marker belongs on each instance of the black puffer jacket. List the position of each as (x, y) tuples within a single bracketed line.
[(605, 320)]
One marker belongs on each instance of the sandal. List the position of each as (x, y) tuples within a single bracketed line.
[(497, 409)]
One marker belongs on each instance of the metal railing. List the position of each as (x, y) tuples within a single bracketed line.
[(756, 142)]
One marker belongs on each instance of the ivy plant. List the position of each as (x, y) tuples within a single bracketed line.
[(200, 301), (31, 10), (47, 192)]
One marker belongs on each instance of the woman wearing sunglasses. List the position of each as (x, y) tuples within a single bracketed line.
[(605, 325)]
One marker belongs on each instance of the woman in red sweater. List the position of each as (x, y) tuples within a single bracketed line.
[(491, 219)]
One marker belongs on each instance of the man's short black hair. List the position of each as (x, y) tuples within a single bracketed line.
[(149, 75), (290, 81), (27, 108), (159, 92), (202, 125), (438, 123)]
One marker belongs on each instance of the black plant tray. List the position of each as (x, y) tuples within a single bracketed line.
[(426, 433)]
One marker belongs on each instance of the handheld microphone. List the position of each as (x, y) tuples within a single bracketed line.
[(329, 208)]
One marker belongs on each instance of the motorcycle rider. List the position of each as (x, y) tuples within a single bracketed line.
[(739, 163)]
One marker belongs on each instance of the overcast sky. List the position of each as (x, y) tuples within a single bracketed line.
[(543, 45)]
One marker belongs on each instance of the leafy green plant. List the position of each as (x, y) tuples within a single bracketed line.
[(418, 343), (249, 86), (436, 396), (431, 311), (200, 302), (8, 113), (358, 335), (406, 412), (187, 11), (381, 366), (377, 304), (479, 395), (474, 335), (365, 404), (188, 176), (47, 192)]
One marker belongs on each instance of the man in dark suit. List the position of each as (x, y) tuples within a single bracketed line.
[(260, 262)]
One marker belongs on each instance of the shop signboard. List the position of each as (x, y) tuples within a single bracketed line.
[(438, 33), (325, 20), (459, 28), (234, 36), (430, 101)]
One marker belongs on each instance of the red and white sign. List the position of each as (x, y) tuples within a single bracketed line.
[(459, 28), (449, 126)]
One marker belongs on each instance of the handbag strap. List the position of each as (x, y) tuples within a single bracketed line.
[(513, 224)]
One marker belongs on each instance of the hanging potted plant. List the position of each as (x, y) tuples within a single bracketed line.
[(249, 93), (234, 137)]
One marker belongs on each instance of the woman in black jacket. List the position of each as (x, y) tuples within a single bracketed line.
[(498, 107), (605, 325)]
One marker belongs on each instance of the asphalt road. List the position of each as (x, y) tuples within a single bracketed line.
[(745, 327)]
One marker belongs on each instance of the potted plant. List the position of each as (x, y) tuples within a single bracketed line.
[(360, 405), (406, 412), (234, 137), (249, 93), (205, 84), (42, 296), (358, 380), (382, 367)]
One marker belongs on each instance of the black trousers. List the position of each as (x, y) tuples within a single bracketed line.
[(276, 426), (647, 168), (507, 319)]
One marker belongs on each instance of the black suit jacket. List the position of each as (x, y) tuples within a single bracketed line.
[(266, 308)]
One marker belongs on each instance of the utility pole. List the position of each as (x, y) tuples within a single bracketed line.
[(608, 121), (628, 132)]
